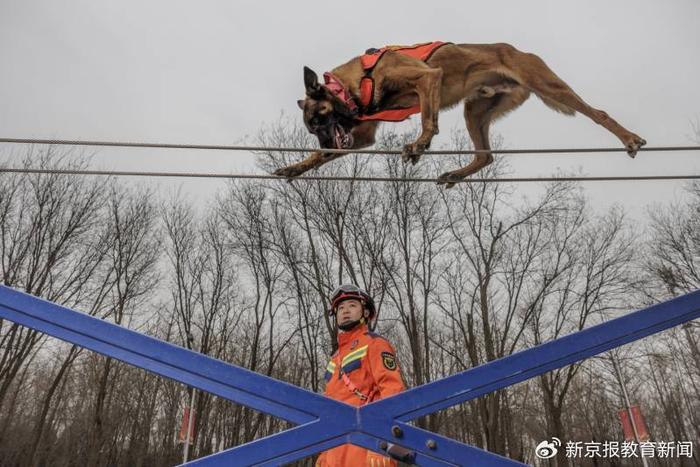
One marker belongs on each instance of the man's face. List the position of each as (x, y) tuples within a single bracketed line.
[(349, 311)]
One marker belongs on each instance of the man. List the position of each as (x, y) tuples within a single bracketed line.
[(362, 370)]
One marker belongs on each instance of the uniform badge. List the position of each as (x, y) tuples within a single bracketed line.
[(389, 361), (354, 344)]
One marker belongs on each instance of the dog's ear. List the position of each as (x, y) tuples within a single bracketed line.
[(311, 81), (300, 103)]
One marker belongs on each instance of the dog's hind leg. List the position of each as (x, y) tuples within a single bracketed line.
[(558, 95), (478, 115), (363, 136)]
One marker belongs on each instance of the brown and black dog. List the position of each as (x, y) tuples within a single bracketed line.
[(491, 80)]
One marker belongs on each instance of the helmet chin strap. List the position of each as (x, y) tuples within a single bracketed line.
[(349, 326)]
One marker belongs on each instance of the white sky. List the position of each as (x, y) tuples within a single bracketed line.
[(213, 72)]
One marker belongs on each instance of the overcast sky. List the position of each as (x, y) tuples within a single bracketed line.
[(213, 72)]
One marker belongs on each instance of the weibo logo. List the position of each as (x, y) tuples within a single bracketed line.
[(547, 449)]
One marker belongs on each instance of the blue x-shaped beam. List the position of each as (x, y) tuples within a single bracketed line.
[(323, 423)]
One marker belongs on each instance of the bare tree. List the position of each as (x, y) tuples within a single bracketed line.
[(600, 254), (245, 212), (483, 279), (674, 249), (673, 266), (204, 288), (133, 256), (46, 248)]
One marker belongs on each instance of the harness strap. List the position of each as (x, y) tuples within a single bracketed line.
[(366, 399), (369, 60)]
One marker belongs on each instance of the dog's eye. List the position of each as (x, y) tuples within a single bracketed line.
[(319, 120)]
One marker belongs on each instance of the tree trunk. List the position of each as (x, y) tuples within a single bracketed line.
[(38, 431)]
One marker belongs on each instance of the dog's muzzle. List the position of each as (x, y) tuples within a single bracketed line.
[(342, 139), (333, 136)]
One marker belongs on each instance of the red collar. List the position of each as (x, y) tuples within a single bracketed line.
[(334, 85)]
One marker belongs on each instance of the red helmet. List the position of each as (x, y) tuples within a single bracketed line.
[(348, 292)]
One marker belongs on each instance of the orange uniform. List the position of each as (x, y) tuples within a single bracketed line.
[(364, 369)]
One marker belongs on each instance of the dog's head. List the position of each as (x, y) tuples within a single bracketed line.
[(326, 115)]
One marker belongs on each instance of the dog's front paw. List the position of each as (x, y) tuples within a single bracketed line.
[(449, 179), (412, 152), (290, 171), (633, 144)]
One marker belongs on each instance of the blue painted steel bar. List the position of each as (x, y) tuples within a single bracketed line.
[(370, 442), (325, 423), (259, 392), (523, 365), (303, 453), (271, 450), (447, 452)]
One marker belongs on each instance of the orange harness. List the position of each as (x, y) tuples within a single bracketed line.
[(369, 60)]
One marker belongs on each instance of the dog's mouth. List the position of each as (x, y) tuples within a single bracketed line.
[(341, 139), (333, 136)]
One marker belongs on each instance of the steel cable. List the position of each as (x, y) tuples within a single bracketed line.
[(335, 151), (122, 173)]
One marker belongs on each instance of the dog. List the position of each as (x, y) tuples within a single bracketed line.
[(391, 83)]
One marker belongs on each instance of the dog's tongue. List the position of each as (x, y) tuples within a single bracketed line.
[(343, 140)]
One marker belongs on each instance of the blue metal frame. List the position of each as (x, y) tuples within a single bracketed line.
[(323, 423)]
